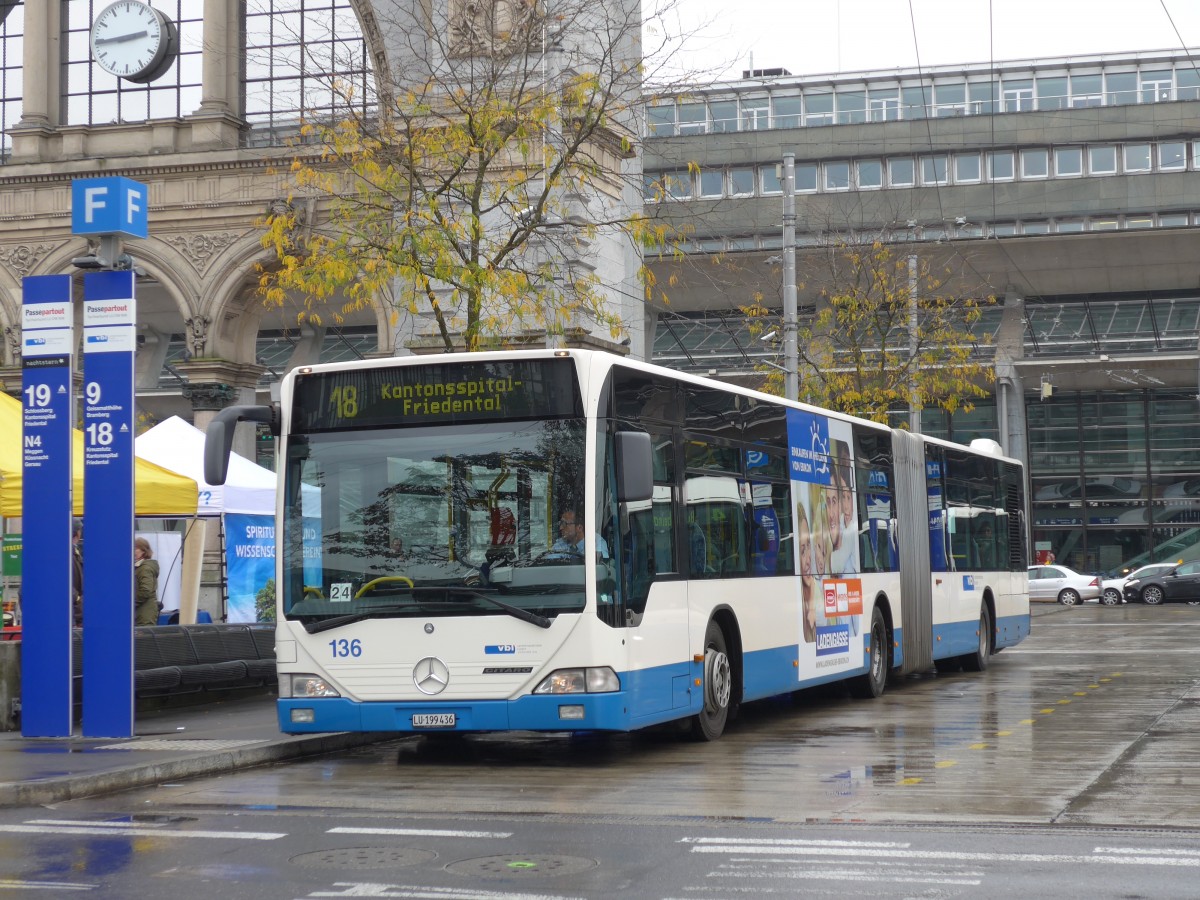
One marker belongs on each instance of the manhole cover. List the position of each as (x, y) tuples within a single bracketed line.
[(514, 866), (364, 858)]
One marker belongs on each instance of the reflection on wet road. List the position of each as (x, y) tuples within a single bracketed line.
[(1093, 720)]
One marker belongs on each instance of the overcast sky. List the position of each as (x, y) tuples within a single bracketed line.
[(821, 36)]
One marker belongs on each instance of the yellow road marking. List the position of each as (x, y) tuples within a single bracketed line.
[(910, 780), (945, 763), (977, 746)]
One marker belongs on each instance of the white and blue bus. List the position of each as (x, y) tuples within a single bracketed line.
[(734, 546)]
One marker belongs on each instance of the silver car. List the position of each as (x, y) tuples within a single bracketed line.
[(1058, 584)]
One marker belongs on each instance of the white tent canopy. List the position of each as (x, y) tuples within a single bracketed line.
[(178, 446)]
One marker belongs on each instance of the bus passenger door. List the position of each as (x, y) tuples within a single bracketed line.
[(654, 597)]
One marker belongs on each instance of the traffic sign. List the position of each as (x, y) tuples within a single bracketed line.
[(111, 205)]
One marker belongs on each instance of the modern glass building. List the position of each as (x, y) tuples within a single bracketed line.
[(1066, 188)]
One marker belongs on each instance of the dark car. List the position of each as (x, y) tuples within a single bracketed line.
[(1177, 584)]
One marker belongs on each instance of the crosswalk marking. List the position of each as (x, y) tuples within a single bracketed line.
[(136, 831), (421, 832), (16, 884)]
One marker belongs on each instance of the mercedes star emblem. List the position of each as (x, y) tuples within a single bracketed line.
[(431, 675)]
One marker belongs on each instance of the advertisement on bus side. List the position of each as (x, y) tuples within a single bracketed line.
[(826, 546)]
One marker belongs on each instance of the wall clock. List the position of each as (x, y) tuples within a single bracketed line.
[(134, 41)]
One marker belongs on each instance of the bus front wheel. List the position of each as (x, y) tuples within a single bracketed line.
[(709, 723)]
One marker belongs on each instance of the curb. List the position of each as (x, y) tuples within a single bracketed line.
[(74, 787)]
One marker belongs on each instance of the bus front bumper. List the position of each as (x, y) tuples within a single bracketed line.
[(551, 712)]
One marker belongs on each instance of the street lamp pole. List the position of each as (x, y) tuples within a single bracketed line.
[(791, 356)]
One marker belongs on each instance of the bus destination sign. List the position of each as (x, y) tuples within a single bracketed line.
[(436, 394)]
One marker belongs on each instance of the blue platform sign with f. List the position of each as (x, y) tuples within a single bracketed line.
[(112, 205)]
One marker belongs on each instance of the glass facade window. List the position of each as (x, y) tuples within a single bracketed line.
[(806, 177), (1002, 229), (1068, 162), (1035, 163), (950, 99), (785, 112), (769, 179), (966, 168), (869, 173), (712, 183), (852, 107), (1139, 221), (837, 176), (1136, 157), (1120, 88), (1052, 93), (693, 118), (677, 185), (1001, 165), (1157, 87), (981, 98), (756, 113), (305, 59), (12, 51), (1102, 160), (1087, 90), (1187, 83), (1068, 226), (1173, 220), (661, 120), (883, 104), (741, 181), (1172, 156), (1103, 224), (94, 97), (723, 116), (818, 109), (934, 169), (1016, 95), (901, 172), (914, 100), (1035, 227)]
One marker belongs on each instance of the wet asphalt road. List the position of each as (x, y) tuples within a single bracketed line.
[(1073, 763)]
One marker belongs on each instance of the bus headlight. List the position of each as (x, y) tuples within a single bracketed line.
[(305, 686), (598, 680)]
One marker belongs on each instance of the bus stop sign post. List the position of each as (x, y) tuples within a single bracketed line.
[(46, 347), (109, 342)]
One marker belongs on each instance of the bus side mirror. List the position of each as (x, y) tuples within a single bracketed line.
[(218, 437), (635, 466)]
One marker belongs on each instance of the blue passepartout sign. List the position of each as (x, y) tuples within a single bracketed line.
[(109, 339), (46, 665), (111, 205)]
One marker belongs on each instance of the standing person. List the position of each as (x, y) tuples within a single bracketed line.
[(145, 574), (77, 573)]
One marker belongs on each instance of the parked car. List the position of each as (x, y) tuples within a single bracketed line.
[(1183, 489), (1062, 585), (1112, 590), (1179, 583)]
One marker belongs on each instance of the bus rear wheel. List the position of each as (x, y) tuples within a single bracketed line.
[(709, 723), (978, 661), (871, 684)]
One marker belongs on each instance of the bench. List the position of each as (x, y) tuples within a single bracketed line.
[(172, 659)]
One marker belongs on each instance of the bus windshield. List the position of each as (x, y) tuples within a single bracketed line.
[(443, 520)]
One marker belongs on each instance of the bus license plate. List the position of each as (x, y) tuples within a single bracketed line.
[(434, 720)]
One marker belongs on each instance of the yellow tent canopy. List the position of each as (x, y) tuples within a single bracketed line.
[(157, 492)]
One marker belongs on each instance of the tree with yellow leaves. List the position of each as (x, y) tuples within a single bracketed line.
[(494, 187), (884, 334)]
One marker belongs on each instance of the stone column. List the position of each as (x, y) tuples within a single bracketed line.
[(39, 106), (214, 384), (218, 122)]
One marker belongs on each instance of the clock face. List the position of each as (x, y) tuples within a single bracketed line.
[(133, 41)]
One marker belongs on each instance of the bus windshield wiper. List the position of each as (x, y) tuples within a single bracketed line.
[(338, 621), (524, 615)]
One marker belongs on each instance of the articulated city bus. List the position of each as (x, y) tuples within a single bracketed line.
[(432, 575)]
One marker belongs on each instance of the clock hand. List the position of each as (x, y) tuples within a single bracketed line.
[(121, 38)]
